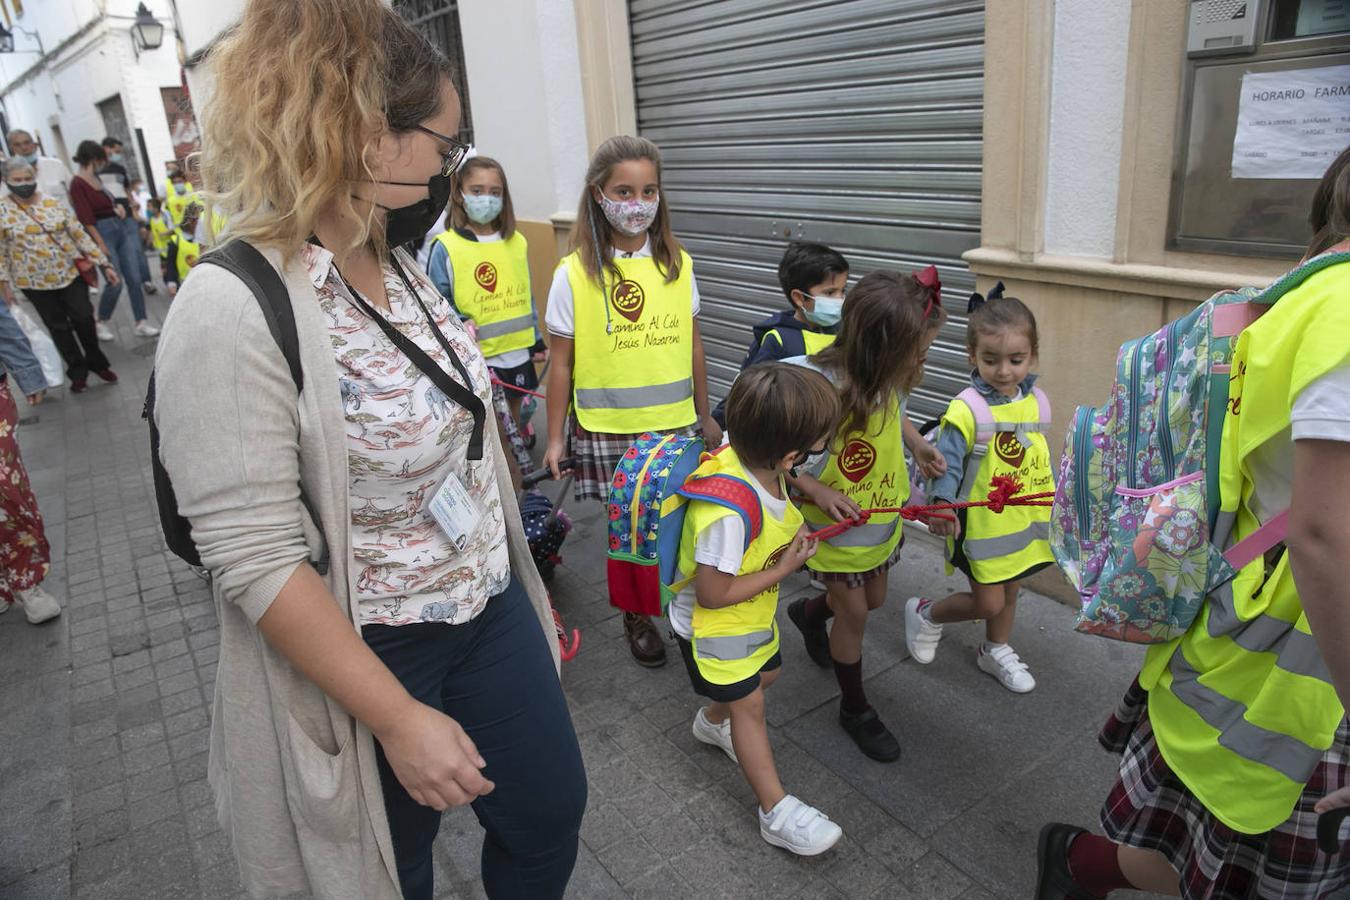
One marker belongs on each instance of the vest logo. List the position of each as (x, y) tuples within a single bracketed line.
[(857, 460), (1009, 449), (628, 299), (486, 276), (775, 556)]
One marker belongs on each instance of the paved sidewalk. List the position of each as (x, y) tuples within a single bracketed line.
[(104, 723)]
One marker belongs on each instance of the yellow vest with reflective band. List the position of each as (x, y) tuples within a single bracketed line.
[(814, 341), (177, 205), (1002, 546), (160, 232), (633, 369), (869, 467), (1242, 705), (732, 643), (188, 254), (492, 287)]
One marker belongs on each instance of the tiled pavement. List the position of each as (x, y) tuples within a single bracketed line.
[(104, 715)]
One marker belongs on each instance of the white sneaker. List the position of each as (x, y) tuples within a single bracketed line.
[(793, 825), (104, 332), (715, 735), (817, 584), (145, 329), (1003, 663), (921, 635), (4, 606), (38, 605)]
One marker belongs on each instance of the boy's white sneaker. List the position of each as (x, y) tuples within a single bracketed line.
[(716, 735), (38, 605), (1002, 662), (921, 635), (793, 825)]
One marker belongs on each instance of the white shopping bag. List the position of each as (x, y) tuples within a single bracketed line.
[(44, 348)]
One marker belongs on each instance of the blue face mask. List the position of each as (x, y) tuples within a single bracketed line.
[(482, 208), (826, 312), (180, 188), (115, 158), (30, 158)]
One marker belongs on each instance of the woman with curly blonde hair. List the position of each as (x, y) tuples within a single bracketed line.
[(417, 672)]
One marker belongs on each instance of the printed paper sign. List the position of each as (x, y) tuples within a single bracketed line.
[(1291, 124)]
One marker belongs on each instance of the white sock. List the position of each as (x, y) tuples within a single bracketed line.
[(990, 646)]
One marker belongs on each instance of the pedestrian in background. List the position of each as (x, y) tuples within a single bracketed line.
[(53, 176), (117, 182)]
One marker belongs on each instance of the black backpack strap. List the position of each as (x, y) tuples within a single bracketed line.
[(252, 268)]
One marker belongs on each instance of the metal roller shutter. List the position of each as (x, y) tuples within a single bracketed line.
[(856, 123)]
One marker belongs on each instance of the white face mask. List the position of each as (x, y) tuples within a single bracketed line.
[(482, 208), (630, 217)]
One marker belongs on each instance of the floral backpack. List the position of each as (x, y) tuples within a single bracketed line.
[(1133, 524), (647, 502)]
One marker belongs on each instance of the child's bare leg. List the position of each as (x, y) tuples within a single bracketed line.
[(998, 627), (875, 592), (750, 737), (850, 620), (513, 402), (717, 713)]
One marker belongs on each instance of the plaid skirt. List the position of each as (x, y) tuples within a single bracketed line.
[(1150, 808), (858, 579), (597, 456)]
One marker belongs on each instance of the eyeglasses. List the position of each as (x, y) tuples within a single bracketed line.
[(453, 158)]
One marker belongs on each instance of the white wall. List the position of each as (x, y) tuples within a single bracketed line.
[(93, 67), (203, 20), (525, 92), (1087, 106)]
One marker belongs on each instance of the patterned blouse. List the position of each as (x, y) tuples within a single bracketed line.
[(33, 260), (404, 437)]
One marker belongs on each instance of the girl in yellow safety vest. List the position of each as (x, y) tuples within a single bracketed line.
[(778, 416), (1234, 738), (889, 322), (623, 320), (480, 265), (995, 551)]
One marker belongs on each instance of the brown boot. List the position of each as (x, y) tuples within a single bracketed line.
[(648, 648)]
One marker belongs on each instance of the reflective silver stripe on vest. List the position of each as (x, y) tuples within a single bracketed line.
[(1295, 651), (1287, 755), (510, 326), (868, 534), (1006, 544), (731, 647), (635, 397)]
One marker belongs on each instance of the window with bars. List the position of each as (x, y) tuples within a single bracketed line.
[(438, 21)]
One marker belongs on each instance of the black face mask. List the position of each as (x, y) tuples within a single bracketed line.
[(23, 190), (412, 222)]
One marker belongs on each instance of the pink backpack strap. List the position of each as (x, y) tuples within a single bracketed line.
[(1043, 403), (984, 416), (1255, 545)]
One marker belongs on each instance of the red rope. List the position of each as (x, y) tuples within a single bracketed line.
[(1002, 494), (511, 387)]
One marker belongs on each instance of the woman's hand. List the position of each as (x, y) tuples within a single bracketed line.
[(836, 504), (929, 459), (111, 274), (36, 398), (1335, 800), (712, 432), (557, 449), (435, 761)]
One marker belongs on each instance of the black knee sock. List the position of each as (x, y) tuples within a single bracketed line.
[(852, 700), (818, 610)]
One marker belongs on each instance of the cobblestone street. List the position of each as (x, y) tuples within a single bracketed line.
[(104, 723)]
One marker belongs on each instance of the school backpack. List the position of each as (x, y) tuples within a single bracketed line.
[(253, 269), (1137, 502), (647, 502)]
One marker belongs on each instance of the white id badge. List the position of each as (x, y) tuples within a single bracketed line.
[(455, 511)]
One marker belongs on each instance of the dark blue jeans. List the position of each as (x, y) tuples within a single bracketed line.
[(124, 247), (495, 677)]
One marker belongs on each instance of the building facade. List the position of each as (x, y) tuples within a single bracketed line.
[(76, 74)]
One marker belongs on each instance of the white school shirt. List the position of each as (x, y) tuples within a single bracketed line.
[(560, 318), (1321, 412), (722, 546)]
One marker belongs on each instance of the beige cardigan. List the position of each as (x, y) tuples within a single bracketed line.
[(296, 785)]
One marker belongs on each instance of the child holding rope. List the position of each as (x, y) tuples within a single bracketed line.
[(995, 551), (889, 322)]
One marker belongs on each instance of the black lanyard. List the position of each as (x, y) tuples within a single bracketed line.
[(452, 389)]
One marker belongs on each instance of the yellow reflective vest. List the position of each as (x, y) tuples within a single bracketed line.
[(1003, 546), (868, 466), (812, 341), (177, 204), (1242, 705), (160, 233), (188, 252), (492, 287), (633, 362), (734, 642)]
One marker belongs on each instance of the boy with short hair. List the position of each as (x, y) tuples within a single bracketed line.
[(813, 278)]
